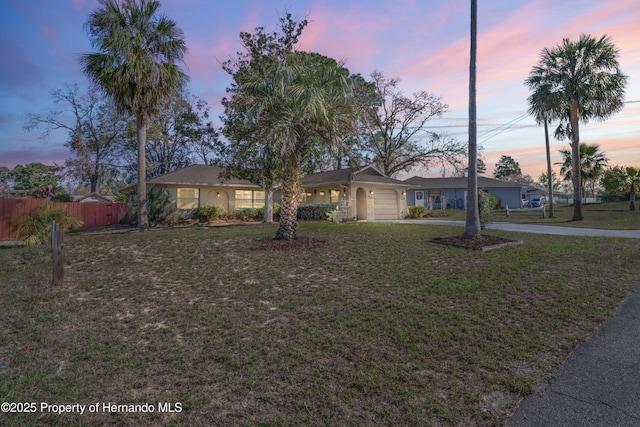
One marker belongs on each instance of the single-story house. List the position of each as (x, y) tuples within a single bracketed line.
[(361, 194), (451, 193), (204, 185), (93, 198)]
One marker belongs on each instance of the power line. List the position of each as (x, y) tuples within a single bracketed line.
[(510, 125), (498, 132), (506, 125)]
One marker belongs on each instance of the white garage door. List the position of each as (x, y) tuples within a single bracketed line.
[(385, 204)]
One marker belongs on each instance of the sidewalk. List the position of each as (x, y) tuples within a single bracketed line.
[(599, 384)]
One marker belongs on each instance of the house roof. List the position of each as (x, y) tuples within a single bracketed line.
[(454, 183), (94, 197), (366, 175), (198, 175), (536, 191)]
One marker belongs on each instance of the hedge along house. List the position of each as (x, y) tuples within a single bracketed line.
[(451, 193), (361, 194), (204, 185)]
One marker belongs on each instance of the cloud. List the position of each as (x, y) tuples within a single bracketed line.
[(345, 34)]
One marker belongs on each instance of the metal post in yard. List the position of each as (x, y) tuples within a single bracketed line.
[(57, 245)]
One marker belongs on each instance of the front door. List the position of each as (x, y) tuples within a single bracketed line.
[(361, 204), (419, 198)]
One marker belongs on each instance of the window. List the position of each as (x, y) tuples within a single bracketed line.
[(249, 199), (335, 196), (435, 196), (244, 199), (188, 198), (258, 199)]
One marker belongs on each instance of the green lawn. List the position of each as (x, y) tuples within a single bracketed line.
[(377, 327), (614, 216)]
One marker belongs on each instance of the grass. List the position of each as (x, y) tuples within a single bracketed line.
[(613, 216), (377, 327)]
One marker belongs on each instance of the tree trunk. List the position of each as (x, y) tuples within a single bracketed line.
[(289, 207), (268, 205), (472, 226), (549, 171), (632, 197), (141, 135), (575, 164)]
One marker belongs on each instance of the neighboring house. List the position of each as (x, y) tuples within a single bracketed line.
[(361, 194), (451, 193), (202, 185), (93, 198)]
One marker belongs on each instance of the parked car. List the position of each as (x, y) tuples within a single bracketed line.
[(536, 202)]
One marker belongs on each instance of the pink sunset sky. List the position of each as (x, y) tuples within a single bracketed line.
[(425, 43)]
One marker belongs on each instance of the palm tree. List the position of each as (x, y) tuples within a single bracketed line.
[(542, 112), (135, 64), (623, 179), (592, 165), (299, 104), (581, 81), (472, 228)]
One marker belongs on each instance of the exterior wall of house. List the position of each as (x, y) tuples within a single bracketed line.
[(224, 197), (212, 196), (508, 197), (380, 202), (362, 202), (449, 198), (456, 198), (207, 195), (324, 195)]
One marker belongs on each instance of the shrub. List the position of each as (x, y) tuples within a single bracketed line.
[(35, 227), (486, 203), (176, 217), (416, 211), (246, 214), (64, 197), (493, 201), (208, 213), (315, 212)]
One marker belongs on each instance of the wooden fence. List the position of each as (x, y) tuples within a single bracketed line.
[(91, 214)]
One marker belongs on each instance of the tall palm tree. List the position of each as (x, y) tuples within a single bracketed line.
[(136, 64), (299, 104), (472, 228), (581, 81), (539, 108), (592, 165)]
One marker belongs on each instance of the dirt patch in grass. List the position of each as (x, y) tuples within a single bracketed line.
[(301, 244), (483, 242), (434, 214)]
